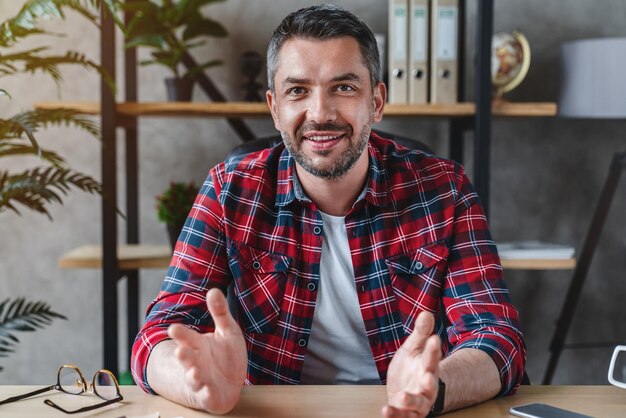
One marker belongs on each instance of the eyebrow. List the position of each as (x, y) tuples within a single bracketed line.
[(340, 77), (347, 77)]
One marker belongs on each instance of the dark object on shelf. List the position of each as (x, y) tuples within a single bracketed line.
[(251, 63), (179, 89)]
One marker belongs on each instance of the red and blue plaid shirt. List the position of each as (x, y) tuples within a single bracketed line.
[(418, 238)]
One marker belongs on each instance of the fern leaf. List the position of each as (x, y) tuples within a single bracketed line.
[(17, 149), (17, 315), (37, 188), (25, 22)]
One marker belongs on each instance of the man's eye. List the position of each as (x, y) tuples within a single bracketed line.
[(295, 91), (345, 88)]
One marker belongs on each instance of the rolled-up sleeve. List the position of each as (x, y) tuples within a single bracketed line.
[(475, 298), (199, 263)]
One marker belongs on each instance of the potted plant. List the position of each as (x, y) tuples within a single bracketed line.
[(173, 206), (171, 29), (35, 188)]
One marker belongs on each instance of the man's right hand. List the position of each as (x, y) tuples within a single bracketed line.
[(215, 363)]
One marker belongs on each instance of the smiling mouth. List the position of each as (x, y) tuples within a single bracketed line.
[(323, 138)]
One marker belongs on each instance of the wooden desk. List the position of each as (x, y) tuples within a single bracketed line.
[(316, 402)]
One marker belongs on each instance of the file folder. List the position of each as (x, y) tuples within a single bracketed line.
[(398, 54), (444, 52), (418, 51)]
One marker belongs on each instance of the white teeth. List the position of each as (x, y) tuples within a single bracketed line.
[(319, 138)]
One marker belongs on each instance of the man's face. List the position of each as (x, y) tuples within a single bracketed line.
[(323, 104)]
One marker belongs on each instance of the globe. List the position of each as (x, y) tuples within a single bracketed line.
[(510, 60)]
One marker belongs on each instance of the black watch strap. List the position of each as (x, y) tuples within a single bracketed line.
[(437, 407)]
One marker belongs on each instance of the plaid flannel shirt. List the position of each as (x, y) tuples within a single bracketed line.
[(418, 238)]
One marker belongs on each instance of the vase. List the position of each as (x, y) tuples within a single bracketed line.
[(173, 232), (179, 89)]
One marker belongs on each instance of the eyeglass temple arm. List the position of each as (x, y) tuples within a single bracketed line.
[(28, 395), (86, 408)]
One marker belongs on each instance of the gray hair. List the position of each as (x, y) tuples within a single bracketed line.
[(324, 22)]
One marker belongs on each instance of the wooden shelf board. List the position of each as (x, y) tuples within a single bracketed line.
[(159, 256), (243, 109), (539, 264), (130, 256)]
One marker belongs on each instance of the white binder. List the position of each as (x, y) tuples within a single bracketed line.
[(444, 51), (398, 51), (418, 51)]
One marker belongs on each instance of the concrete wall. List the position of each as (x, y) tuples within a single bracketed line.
[(546, 177)]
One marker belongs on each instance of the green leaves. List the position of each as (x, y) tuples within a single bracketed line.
[(174, 204), (19, 315), (37, 188), (25, 22), (170, 28)]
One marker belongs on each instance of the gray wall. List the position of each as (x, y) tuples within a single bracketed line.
[(546, 177)]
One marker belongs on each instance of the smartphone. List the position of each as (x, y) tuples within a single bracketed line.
[(541, 410)]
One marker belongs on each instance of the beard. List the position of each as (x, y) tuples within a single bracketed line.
[(343, 163)]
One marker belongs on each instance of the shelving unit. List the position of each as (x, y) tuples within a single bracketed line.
[(159, 257), (124, 261), (244, 110)]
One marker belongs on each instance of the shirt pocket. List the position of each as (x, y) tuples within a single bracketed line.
[(259, 287), (416, 280)]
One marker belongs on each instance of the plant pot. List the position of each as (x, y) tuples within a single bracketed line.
[(173, 231), (179, 89)]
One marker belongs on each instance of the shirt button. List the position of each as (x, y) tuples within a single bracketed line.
[(419, 265), (317, 230), (256, 265), (311, 286), (354, 232), (363, 288), (302, 342)]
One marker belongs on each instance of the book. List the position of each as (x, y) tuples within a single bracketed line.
[(444, 51), (418, 51), (398, 53), (534, 250)]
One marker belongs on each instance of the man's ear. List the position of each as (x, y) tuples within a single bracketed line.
[(271, 103), (380, 97)]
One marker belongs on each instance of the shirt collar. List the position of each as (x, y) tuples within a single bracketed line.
[(288, 186)]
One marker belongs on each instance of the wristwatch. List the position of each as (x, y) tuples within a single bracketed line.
[(437, 407)]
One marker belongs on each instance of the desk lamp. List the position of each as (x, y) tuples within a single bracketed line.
[(593, 86)]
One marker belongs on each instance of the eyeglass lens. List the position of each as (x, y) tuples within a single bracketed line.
[(104, 385), (71, 380)]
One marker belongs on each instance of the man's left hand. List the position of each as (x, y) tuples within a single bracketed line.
[(413, 375)]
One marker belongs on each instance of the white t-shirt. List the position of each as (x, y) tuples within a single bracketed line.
[(338, 351)]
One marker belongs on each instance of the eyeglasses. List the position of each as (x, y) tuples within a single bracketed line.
[(70, 380)]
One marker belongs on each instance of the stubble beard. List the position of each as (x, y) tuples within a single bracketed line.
[(342, 165)]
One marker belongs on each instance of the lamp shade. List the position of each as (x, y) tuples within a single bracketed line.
[(593, 83)]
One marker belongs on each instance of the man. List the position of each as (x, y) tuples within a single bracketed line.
[(345, 252)]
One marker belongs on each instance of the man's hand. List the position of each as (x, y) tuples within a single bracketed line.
[(215, 363), (413, 375)]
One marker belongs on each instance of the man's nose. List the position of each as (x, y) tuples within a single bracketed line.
[(322, 108)]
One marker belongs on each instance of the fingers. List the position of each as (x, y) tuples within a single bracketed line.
[(406, 404), (424, 326), (393, 412), (431, 355), (184, 336), (218, 308)]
